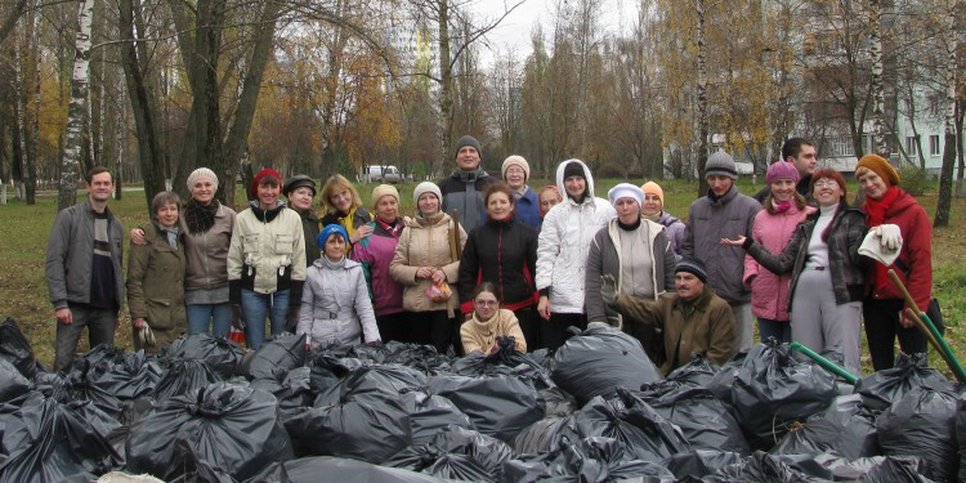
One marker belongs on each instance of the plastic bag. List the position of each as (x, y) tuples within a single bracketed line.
[(880, 389), (15, 348), (598, 361), (229, 426), (700, 463), (498, 406), (420, 357), (329, 468), (183, 377), (762, 467), (458, 454), (645, 434), (505, 361), (538, 437), (379, 381), (429, 414), (591, 459), (847, 427), (292, 390), (697, 373), (961, 437), (706, 421), (439, 292), (774, 390), (221, 355), (12, 383), (284, 352), (132, 377), (922, 423), (51, 441)]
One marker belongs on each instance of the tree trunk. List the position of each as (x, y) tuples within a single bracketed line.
[(959, 147), (76, 109), (703, 129), (949, 149), (878, 95), (143, 104), (446, 75)]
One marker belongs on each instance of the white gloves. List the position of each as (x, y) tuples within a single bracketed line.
[(889, 237)]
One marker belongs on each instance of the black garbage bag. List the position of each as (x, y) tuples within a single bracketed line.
[(132, 377), (594, 459), (78, 385), (538, 437), (368, 353), (961, 437), (183, 377), (698, 373), (371, 429), (706, 421), (628, 419), (498, 406), (284, 352), (762, 467), (13, 384), (377, 380), (429, 414), (221, 355), (700, 462), (721, 383), (556, 402), (458, 454), (506, 361), (328, 369), (882, 469), (773, 390), (195, 469), (847, 427), (291, 388), (15, 348), (599, 360), (229, 426), (313, 469), (923, 423), (880, 389), (53, 441), (420, 357)]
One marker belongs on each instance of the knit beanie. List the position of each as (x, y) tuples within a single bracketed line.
[(652, 188), (202, 174), (694, 267), (574, 168), (721, 163), (468, 141), (328, 231), (515, 160), (427, 187), (625, 190), (264, 173), (781, 170), (384, 190), (881, 167), (296, 182)]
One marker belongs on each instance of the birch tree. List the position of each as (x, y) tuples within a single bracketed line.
[(949, 150), (77, 108)]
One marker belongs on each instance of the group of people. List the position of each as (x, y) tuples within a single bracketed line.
[(484, 259)]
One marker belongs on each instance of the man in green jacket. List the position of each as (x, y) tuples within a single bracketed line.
[(694, 320)]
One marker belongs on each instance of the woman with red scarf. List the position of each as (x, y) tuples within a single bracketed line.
[(886, 203), (502, 251)]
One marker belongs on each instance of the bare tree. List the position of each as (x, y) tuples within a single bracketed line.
[(77, 109)]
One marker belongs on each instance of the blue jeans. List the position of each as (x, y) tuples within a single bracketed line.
[(255, 307), (200, 314), (781, 330)]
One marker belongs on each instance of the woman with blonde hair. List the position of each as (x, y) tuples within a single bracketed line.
[(343, 205)]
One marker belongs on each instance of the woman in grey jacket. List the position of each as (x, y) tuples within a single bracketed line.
[(638, 254), (335, 300)]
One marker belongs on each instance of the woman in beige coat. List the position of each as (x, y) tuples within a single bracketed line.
[(155, 277), (428, 255), (489, 322)]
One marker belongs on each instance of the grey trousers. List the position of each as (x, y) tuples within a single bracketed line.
[(821, 324), (100, 325), (744, 326)]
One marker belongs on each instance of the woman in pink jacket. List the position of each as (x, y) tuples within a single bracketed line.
[(780, 214)]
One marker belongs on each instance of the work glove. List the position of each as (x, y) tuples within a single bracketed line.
[(889, 237), (608, 289), (292, 319), (237, 319), (146, 336)]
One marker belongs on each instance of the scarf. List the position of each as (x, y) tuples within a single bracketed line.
[(875, 209), (429, 220), (200, 218), (656, 218), (172, 235), (332, 265), (781, 206)]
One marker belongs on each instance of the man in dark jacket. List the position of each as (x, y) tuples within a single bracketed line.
[(693, 320), (801, 153), (83, 269), (463, 189)]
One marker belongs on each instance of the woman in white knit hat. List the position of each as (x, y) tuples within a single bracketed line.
[(526, 203), (426, 263)]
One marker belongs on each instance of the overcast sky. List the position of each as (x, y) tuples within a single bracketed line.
[(515, 31)]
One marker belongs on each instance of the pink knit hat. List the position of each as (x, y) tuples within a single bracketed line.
[(782, 170)]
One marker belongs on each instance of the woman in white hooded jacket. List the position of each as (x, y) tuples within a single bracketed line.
[(562, 250), (336, 309)]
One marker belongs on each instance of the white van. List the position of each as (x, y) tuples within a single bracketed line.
[(381, 174)]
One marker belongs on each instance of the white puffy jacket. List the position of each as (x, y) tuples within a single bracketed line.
[(564, 243), (336, 309)]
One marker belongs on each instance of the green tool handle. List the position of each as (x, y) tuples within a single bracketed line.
[(831, 366), (947, 351)]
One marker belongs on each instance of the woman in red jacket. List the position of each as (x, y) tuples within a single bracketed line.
[(886, 203)]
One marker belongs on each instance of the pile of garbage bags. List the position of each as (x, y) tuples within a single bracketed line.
[(595, 410)]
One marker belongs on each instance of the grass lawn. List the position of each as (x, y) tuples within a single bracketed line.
[(24, 230)]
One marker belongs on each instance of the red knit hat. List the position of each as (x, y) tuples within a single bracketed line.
[(264, 173)]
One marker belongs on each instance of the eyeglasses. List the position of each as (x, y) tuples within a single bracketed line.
[(486, 303), (826, 183)]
